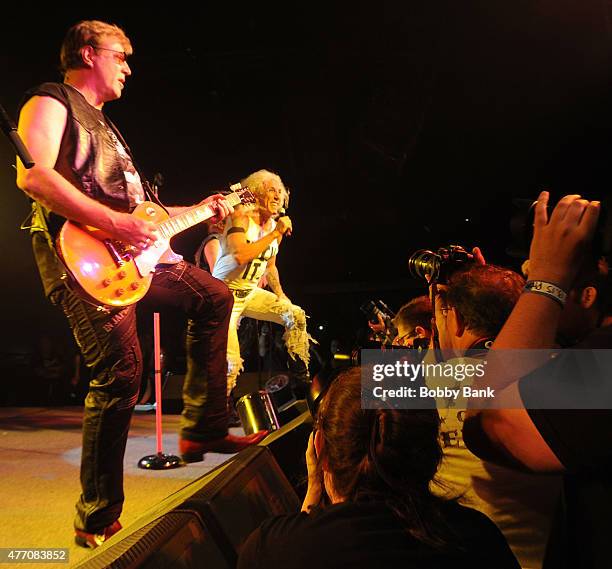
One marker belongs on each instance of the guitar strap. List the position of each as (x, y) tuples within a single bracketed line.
[(36, 221), (149, 188)]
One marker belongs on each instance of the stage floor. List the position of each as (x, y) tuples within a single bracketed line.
[(39, 475)]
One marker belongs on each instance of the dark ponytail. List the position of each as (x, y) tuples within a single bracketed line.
[(386, 455)]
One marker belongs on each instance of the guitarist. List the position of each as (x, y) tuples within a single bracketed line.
[(85, 173)]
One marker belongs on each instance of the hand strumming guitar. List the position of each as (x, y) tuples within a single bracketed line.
[(130, 229)]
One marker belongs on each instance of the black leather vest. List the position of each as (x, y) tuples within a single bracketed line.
[(88, 156)]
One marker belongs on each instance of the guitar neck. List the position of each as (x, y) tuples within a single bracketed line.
[(190, 217)]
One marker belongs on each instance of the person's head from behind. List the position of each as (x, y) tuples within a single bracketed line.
[(269, 191), (587, 302), (475, 304), (215, 228), (386, 454), (413, 321), (606, 295), (97, 51)]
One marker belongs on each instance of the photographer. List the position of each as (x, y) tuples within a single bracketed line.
[(409, 328), (472, 302), (586, 305), (413, 323), (570, 440), (380, 321), (375, 467)]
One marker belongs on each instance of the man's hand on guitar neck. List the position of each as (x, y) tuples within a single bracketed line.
[(219, 204)]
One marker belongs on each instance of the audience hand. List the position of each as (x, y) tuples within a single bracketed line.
[(379, 327), (559, 243), (478, 256), (315, 486)]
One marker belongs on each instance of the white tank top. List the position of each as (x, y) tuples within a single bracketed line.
[(247, 275)]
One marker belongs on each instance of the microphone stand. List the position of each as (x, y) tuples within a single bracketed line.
[(158, 461), (9, 128)]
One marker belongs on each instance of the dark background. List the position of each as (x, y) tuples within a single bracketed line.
[(396, 125)]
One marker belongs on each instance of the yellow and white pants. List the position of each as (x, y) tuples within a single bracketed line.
[(262, 304)]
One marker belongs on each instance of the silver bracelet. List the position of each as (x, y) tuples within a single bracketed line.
[(551, 290)]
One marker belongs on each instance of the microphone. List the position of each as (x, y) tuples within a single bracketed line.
[(281, 212), (9, 128)]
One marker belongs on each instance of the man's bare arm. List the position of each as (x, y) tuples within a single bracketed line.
[(509, 436), (245, 252), (41, 126), (557, 249), (273, 279), (555, 254)]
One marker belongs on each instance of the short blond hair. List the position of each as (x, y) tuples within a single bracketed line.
[(88, 32)]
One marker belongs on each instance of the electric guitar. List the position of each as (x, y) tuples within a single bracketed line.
[(114, 273)]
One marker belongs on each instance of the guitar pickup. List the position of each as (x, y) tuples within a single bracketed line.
[(117, 256)]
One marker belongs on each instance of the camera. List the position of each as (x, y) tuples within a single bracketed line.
[(521, 229), (436, 267), (375, 309)]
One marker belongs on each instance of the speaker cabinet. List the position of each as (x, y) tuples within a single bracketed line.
[(206, 523)]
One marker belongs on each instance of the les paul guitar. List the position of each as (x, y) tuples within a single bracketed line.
[(114, 273)]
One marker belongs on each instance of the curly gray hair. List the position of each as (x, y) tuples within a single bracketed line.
[(257, 183)]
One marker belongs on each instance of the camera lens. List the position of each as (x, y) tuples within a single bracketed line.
[(424, 264)]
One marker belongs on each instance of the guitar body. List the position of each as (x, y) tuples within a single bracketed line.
[(110, 272), (113, 273)]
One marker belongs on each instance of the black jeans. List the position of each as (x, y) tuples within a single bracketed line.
[(110, 347)]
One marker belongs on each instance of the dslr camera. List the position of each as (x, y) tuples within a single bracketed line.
[(375, 309), (436, 267), (521, 229)]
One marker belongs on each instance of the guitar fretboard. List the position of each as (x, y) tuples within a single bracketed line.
[(190, 217)]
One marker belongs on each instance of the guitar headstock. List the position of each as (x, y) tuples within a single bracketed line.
[(240, 195), (246, 196)]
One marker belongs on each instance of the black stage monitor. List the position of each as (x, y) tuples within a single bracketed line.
[(250, 490), (177, 539), (204, 524)]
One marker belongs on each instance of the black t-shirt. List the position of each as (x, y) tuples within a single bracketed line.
[(582, 440), (368, 534), (200, 257)]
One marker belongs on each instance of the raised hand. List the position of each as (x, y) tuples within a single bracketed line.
[(478, 256), (559, 243), (315, 484)]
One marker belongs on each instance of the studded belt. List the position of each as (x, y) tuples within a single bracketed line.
[(241, 293)]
